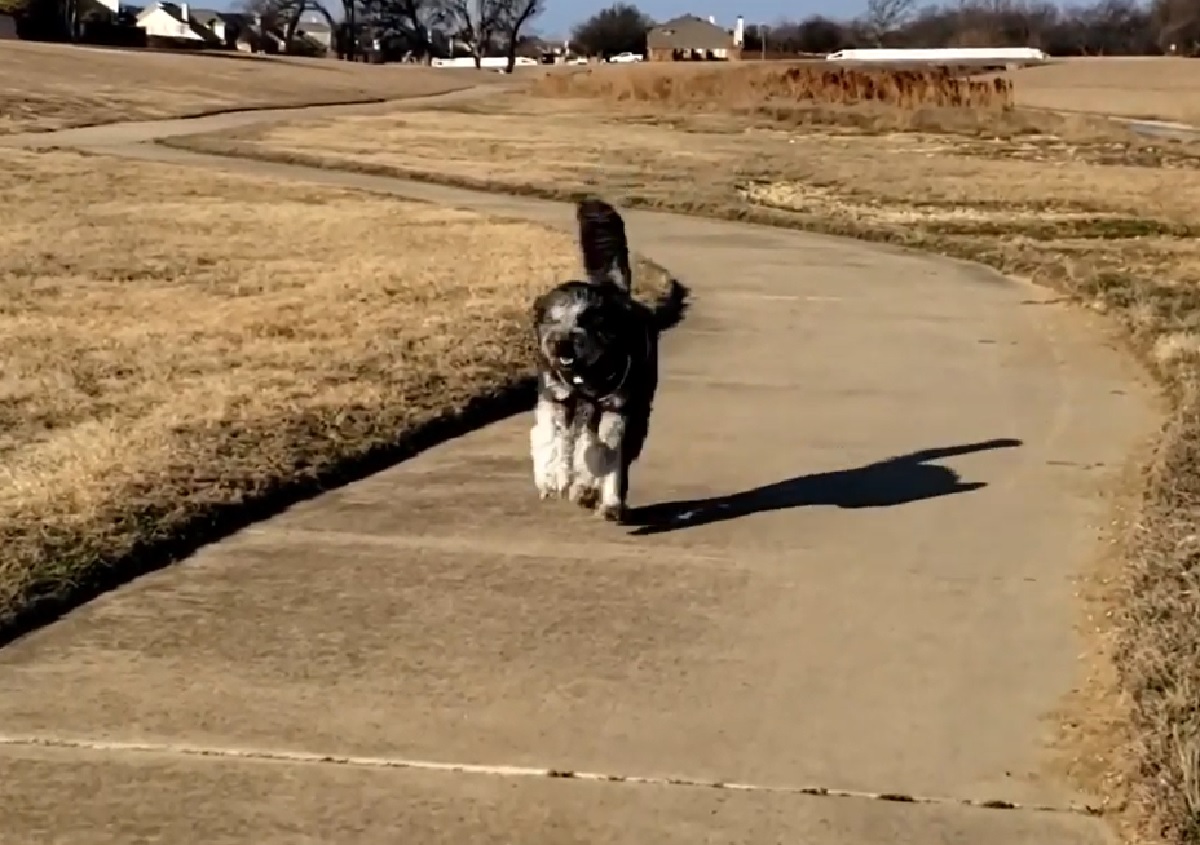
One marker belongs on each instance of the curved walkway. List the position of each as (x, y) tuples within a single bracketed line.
[(870, 481)]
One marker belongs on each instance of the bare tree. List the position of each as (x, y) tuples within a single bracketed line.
[(512, 17), (418, 18), (620, 28), (477, 21), (284, 16), (1177, 25), (413, 21), (885, 16), (347, 33), (483, 21)]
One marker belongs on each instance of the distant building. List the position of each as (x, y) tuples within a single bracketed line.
[(230, 27), (174, 23), (693, 39), (315, 27)]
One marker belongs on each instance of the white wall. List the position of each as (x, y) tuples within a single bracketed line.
[(158, 23), (488, 62), (945, 54)]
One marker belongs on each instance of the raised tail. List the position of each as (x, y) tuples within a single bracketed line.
[(603, 243)]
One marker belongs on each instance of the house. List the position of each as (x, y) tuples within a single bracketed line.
[(690, 39), (315, 28), (245, 32), (229, 27), (174, 23)]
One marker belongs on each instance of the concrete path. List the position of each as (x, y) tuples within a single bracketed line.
[(870, 481)]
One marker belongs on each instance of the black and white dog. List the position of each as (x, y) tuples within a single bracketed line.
[(597, 357)]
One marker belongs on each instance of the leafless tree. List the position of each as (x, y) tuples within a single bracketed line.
[(885, 16), (412, 20), (512, 17), (1178, 26), (485, 21), (283, 16), (476, 21)]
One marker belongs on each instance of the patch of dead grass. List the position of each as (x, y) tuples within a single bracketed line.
[(54, 86), (815, 94), (1147, 87), (1110, 221), (180, 345)]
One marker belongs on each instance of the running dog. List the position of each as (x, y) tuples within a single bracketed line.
[(597, 360)]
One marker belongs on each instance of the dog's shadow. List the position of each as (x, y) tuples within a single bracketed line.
[(894, 481)]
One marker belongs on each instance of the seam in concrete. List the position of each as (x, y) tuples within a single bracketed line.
[(309, 758), (258, 537)]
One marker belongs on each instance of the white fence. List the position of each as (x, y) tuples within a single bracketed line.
[(489, 62), (949, 55)]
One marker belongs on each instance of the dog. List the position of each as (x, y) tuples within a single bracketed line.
[(597, 364)]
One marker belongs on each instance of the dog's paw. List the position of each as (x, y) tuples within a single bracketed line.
[(612, 512), (585, 495), (552, 488)]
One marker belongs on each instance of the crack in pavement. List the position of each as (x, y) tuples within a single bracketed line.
[(369, 762)]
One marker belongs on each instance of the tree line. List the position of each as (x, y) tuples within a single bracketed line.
[(424, 28), (421, 29), (1104, 28)]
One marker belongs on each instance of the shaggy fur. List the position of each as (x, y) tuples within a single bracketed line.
[(597, 364), (603, 243)]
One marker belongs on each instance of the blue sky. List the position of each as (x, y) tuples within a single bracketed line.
[(562, 15)]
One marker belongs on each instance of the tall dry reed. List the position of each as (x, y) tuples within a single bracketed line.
[(751, 85)]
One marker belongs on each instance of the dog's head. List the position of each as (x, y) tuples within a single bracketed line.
[(582, 330)]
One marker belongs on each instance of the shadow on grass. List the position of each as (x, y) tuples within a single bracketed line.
[(894, 481), (156, 551)]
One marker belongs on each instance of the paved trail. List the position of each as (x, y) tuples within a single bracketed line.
[(893, 464)]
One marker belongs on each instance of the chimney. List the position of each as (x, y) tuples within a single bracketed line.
[(185, 12), (739, 31), (712, 19)]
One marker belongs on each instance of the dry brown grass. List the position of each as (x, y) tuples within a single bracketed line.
[(52, 86), (1111, 222), (781, 82), (179, 346), (775, 94), (1151, 87)]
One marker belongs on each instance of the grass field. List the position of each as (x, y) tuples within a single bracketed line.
[(1152, 87), (179, 346), (778, 94), (52, 86), (1110, 220)]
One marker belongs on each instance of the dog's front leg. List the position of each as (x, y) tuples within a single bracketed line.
[(611, 472), (585, 485), (551, 448)]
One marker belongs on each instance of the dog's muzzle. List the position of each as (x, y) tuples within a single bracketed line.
[(564, 352), (574, 349)]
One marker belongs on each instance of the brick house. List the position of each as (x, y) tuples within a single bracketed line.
[(693, 39)]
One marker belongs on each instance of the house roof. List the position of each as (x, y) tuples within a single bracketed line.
[(688, 32), (175, 11), (238, 19)]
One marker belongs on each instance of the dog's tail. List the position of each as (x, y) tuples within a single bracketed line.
[(603, 243)]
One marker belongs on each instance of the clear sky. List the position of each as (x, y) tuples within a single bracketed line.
[(561, 15)]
